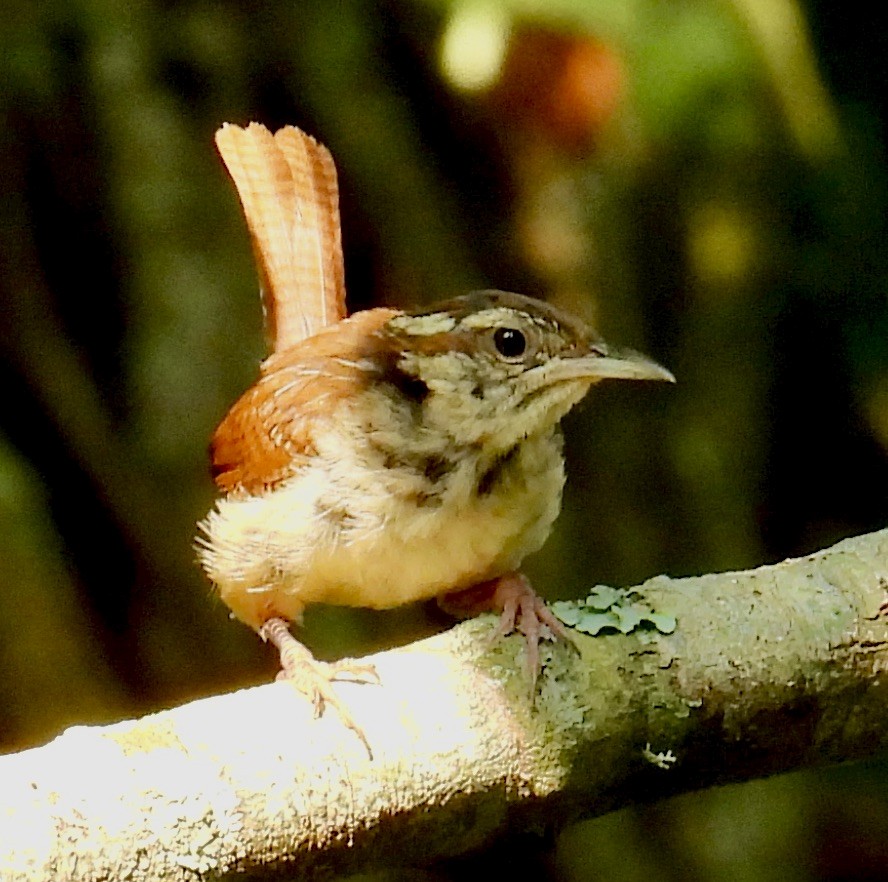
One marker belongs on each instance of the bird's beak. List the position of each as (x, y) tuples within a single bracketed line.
[(603, 364)]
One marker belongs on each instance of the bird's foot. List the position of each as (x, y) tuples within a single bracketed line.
[(313, 677), (520, 607)]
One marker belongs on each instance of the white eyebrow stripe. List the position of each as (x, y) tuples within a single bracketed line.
[(500, 316), (489, 318), (424, 325)]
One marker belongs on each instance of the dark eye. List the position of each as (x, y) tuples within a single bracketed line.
[(509, 342)]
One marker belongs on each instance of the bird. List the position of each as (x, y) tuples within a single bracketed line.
[(391, 456)]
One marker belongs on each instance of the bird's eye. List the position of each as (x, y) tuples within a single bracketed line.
[(509, 342)]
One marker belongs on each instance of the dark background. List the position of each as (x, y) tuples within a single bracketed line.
[(705, 181)]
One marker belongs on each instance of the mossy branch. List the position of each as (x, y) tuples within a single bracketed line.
[(767, 670)]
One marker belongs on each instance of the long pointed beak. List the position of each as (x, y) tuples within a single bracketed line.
[(625, 365)]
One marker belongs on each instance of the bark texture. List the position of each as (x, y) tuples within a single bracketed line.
[(767, 670)]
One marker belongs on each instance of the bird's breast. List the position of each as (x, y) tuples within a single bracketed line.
[(438, 525), (379, 533)]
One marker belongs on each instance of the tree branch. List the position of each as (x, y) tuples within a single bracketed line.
[(767, 670)]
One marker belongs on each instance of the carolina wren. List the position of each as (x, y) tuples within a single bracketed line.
[(395, 456)]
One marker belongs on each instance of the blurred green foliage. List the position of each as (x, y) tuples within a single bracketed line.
[(705, 179)]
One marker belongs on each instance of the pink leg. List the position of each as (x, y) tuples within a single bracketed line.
[(521, 609), (313, 677)]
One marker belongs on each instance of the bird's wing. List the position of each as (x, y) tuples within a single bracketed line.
[(268, 435)]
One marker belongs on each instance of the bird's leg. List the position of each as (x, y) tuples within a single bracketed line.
[(313, 677), (520, 607)]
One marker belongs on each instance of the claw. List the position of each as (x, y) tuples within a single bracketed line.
[(313, 677), (521, 609)]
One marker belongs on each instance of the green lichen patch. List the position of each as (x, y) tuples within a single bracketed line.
[(609, 609)]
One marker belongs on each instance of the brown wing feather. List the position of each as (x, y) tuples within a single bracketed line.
[(287, 187), (268, 434)]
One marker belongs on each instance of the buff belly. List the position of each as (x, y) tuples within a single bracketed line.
[(395, 548)]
